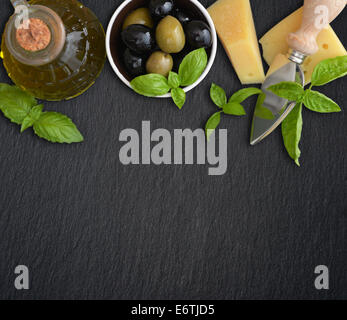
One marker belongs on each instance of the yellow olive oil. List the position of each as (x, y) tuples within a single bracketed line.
[(78, 64)]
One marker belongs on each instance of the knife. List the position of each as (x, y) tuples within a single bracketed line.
[(270, 109)]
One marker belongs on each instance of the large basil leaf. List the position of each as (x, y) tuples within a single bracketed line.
[(318, 102), (56, 127), (329, 70), (192, 66), (150, 85), (291, 132)]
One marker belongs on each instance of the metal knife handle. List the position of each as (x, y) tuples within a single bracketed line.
[(316, 16)]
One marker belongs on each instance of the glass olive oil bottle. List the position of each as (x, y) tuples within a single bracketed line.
[(54, 49)]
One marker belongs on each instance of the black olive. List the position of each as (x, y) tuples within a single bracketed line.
[(160, 8), (178, 57), (134, 63), (138, 38), (181, 16), (198, 34)]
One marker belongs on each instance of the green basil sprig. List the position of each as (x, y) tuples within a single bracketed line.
[(190, 69), (325, 72), (231, 107), (21, 108)]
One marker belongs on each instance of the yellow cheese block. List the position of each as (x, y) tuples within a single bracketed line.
[(234, 23), (275, 42)]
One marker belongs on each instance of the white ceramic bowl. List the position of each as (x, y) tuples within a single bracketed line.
[(120, 14)]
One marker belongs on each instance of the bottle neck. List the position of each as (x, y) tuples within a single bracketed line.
[(17, 3), (35, 35)]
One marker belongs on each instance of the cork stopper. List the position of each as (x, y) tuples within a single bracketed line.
[(33, 35)]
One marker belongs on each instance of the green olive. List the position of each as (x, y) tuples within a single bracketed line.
[(160, 63), (170, 35), (139, 16)]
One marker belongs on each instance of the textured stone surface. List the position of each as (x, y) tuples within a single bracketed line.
[(89, 227)]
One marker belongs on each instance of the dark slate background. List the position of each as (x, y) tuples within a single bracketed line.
[(90, 228)]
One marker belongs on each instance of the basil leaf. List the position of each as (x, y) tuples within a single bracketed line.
[(318, 102), (288, 90), (291, 132), (192, 66), (179, 97), (32, 117), (56, 127), (218, 95), (211, 124), (174, 80), (234, 108), (150, 85), (15, 103), (245, 93), (329, 70)]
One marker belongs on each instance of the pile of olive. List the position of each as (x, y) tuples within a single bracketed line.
[(155, 36)]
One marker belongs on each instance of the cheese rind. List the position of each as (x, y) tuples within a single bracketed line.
[(234, 23), (274, 43)]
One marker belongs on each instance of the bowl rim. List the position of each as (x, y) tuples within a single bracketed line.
[(209, 63)]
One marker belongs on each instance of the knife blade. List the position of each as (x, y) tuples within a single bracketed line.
[(270, 109)]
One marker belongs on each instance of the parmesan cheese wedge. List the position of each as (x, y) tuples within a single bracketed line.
[(234, 23), (274, 43)]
